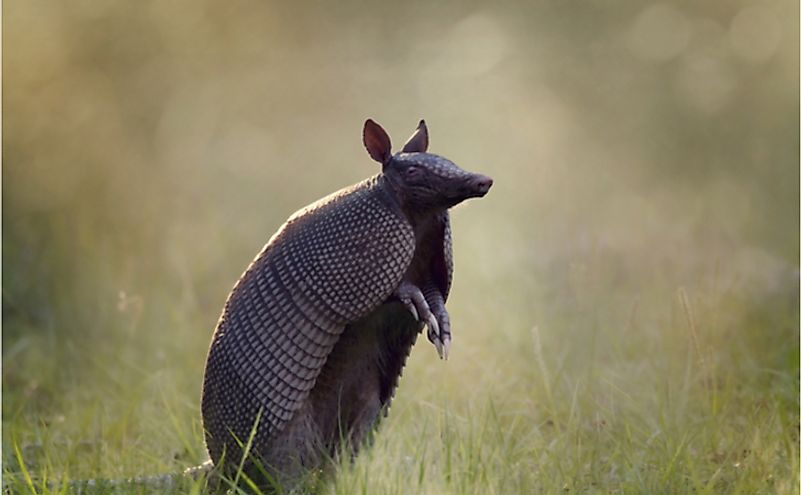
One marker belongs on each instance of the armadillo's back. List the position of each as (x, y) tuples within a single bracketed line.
[(328, 266)]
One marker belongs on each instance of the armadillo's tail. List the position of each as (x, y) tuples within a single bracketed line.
[(150, 484), (201, 470)]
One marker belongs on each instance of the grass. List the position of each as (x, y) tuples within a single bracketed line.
[(696, 391), (664, 422), (625, 305)]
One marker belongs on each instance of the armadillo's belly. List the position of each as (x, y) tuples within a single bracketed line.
[(360, 376)]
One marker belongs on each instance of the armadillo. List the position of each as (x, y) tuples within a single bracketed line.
[(313, 337)]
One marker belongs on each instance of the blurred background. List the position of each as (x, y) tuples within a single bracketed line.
[(645, 158)]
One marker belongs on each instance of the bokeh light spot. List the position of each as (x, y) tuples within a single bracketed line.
[(659, 33)]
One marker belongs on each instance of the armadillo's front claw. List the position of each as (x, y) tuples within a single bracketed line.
[(444, 330), (440, 350), (410, 306), (434, 334), (411, 297), (438, 327)]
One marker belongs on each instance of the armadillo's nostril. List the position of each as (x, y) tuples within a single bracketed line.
[(483, 184)]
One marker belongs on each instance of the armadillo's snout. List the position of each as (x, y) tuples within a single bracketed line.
[(481, 184)]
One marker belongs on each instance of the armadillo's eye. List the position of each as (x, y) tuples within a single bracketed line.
[(413, 172)]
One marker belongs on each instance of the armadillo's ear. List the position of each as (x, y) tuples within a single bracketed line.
[(418, 143), (377, 142)]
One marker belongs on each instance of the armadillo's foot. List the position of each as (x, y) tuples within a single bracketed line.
[(442, 338), (410, 306), (434, 334), (412, 297)]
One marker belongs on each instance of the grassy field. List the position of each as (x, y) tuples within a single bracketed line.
[(626, 299), (686, 390)]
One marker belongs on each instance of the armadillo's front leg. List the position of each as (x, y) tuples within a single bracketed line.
[(442, 340), (414, 300)]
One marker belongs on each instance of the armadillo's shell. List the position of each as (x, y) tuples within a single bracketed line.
[(329, 265)]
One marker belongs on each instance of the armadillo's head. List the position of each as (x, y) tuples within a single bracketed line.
[(422, 181)]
